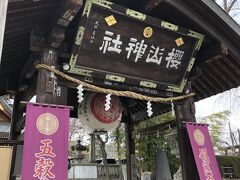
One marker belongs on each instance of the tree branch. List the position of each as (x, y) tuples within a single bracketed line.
[(225, 6), (231, 5)]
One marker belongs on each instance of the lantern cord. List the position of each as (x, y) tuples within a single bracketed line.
[(113, 92)]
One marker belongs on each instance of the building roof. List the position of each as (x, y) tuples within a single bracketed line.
[(22, 16), (4, 130), (5, 110), (217, 66)]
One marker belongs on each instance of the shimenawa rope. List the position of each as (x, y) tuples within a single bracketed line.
[(113, 92)]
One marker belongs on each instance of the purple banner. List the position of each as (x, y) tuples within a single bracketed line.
[(203, 151), (45, 152)]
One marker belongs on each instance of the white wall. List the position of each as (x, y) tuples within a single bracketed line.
[(3, 13)]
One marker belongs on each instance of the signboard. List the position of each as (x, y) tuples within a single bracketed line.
[(45, 152), (125, 46), (6, 157), (203, 151)]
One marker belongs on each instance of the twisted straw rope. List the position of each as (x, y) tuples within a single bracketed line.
[(113, 92)]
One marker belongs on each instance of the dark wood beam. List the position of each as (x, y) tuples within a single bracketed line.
[(46, 80), (227, 72), (130, 150), (199, 94), (211, 52), (28, 69), (200, 88), (62, 94), (10, 142), (195, 9), (56, 35), (146, 6), (18, 119), (30, 90), (210, 83), (47, 89), (16, 115), (62, 18), (230, 69), (211, 76), (162, 126), (219, 74), (64, 15), (234, 63), (196, 87), (156, 108), (20, 124), (185, 111), (203, 86), (38, 41)]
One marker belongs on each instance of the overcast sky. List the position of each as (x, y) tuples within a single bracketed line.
[(218, 103)]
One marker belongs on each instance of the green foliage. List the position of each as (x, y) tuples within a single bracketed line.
[(217, 122), (146, 149), (174, 163), (117, 138), (150, 143), (229, 161), (147, 146), (155, 120)]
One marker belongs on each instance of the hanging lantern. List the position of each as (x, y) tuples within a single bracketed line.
[(94, 116)]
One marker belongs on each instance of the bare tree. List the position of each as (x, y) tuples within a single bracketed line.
[(76, 131), (232, 7), (228, 5), (231, 99), (102, 144)]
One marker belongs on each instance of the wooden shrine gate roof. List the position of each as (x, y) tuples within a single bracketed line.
[(217, 66), (22, 16)]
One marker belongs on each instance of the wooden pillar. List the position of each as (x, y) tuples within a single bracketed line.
[(130, 151), (13, 133), (18, 120), (185, 111), (16, 115), (47, 82), (92, 149)]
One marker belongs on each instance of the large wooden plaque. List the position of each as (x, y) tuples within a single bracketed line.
[(125, 46)]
